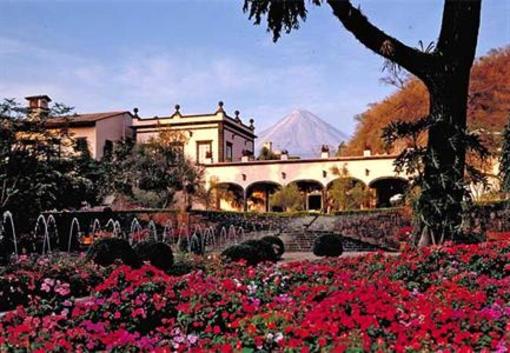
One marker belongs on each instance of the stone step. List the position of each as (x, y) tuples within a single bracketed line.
[(303, 242)]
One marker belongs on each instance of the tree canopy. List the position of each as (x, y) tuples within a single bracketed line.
[(488, 105)]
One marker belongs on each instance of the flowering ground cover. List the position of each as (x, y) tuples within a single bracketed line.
[(35, 280), (448, 299)]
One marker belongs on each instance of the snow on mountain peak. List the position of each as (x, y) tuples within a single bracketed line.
[(302, 133)]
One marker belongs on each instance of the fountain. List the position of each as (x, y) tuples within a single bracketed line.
[(168, 232), (46, 238), (223, 236), (7, 216), (74, 223), (153, 230), (52, 224), (115, 226), (209, 239), (96, 226)]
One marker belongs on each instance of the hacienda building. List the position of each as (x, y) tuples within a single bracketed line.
[(224, 146)]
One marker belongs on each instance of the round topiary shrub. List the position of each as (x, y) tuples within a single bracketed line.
[(158, 254), (328, 245), (276, 243), (265, 249), (242, 252), (106, 251)]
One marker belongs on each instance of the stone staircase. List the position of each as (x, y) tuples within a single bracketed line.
[(303, 242)]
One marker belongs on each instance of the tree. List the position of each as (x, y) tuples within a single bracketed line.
[(347, 193), (288, 198), (38, 171), (266, 154), (151, 173), (504, 162), (445, 71)]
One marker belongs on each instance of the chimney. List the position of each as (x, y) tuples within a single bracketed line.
[(38, 105), (325, 152), (367, 152)]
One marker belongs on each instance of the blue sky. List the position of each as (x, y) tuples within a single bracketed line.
[(111, 55)]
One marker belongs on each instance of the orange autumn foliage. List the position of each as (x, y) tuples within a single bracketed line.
[(488, 105)]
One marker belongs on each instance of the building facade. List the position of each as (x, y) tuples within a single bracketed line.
[(223, 146), (206, 138)]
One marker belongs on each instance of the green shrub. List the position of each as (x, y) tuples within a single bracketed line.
[(106, 251), (328, 245), (265, 249), (158, 254), (242, 252), (276, 243)]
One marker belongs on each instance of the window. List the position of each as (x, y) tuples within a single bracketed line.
[(228, 152), (204, 151)]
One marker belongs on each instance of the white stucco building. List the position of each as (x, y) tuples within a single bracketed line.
[(223, 145)]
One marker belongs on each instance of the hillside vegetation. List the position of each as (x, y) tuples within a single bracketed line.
[(488, 106)]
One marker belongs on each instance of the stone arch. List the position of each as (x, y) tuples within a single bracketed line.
[(227, 196), (348, 193), (387, 187), (257, 195), (313, 192)]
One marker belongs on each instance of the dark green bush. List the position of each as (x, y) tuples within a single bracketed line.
[(328, 245), (265, 249), (106, 251), (253, 251), (158, 254), (276, 243), (242, 252)]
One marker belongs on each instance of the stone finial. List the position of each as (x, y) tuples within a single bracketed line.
[(220, 107), (135, 112), (177, 108), (238, 119), (251, 124)]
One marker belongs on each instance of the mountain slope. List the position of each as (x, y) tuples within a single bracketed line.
[(301, 133), (488, 106)]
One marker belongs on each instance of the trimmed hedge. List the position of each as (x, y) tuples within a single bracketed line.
[(253, 251), (106, 251), (242, 252), (158, 254), (277, 245), (329, 245)]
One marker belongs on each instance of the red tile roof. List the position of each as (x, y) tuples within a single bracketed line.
[(82, 119)]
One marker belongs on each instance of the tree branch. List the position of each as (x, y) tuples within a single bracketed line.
[(459, 29), (379, 42)]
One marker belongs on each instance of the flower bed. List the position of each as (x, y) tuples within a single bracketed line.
[(31, 280), (450, 299)]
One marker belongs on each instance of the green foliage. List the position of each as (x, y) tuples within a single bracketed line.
[(346, 193), (504, 167), (328, 245), (158, 254), (281, 15), (267, 155), (106, 251), (437, 208), (276, 243), (151, 173), (37, 170), (252, 251), (288, 198)]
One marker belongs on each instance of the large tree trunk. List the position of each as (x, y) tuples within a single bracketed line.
[(445, 71), (443, 186)]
